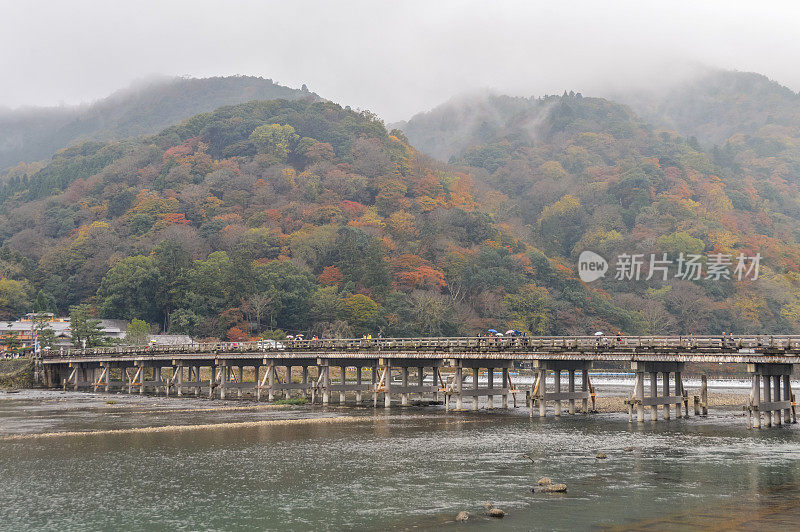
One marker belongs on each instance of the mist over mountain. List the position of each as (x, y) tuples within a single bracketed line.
[(466, 121), (32, 134), (715, 105), (710, 105)]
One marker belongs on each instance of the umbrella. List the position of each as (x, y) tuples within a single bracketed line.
[(510, 332), (599, 333), (492, 330)]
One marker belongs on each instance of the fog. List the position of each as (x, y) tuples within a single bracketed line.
[(394, 58)]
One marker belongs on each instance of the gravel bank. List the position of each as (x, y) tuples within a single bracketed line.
[(616, 402)]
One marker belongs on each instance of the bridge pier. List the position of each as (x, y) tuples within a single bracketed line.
[(506, 382), (541, 396), (342, 384), (358, 384), (386, 379), (408, 384), (212, 380), (457, 388), (772, 382), (274, 385), (74, 376), (653, 401), (326, 382), (326, 385), (188, 381), (404, 380), (701, 401), (178, 368), (103, 380), (224, 379)]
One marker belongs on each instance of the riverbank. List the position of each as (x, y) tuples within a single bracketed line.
[(16, 373)]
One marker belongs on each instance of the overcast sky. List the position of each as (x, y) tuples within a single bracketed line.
[(395, 58)]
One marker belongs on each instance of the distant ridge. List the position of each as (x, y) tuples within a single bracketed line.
[(33, 134), (717, 105)]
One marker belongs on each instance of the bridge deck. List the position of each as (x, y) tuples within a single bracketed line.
[(729, 349)]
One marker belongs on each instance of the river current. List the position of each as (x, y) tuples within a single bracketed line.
[(153, 463)]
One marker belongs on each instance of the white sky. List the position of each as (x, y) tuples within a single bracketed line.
[(395, 58)]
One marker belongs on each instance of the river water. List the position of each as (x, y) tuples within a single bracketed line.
[(192, 464)]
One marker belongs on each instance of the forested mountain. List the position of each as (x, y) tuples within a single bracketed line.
[(306, 216), (299, 215), (28, 135), (580, 173)]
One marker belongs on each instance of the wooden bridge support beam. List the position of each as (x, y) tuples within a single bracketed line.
[(178, 370), (212, 380), (701, 401), (475, 384), (475, 391), (386, 379), (772, 383), (185, 379), (459, 384), (358, 384), (101, 377), (410, 384), (342, 384), (374, 385), (654, 400), (506, 382), (326, 383), (540, 395), (156, 378), (72, 376)]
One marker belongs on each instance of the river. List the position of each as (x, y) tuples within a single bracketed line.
[(154, 463)]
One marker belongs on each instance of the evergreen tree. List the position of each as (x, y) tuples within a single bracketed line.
[(84, 327)]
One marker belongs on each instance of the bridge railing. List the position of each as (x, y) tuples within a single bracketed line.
[(477, 344)]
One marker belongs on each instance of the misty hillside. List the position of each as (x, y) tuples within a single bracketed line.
[(467, 122), (718, 104), (573, 173), (28, 135)]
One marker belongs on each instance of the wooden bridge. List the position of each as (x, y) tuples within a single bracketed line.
[(436, 369)]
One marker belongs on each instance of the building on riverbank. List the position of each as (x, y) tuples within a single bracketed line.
[(25, 330)]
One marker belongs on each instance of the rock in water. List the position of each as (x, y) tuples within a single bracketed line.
[(544, 481), (601, 456), (462, 517), (496, 512), (550, 488)]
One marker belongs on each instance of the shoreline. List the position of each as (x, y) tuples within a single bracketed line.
[(608, 401)]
